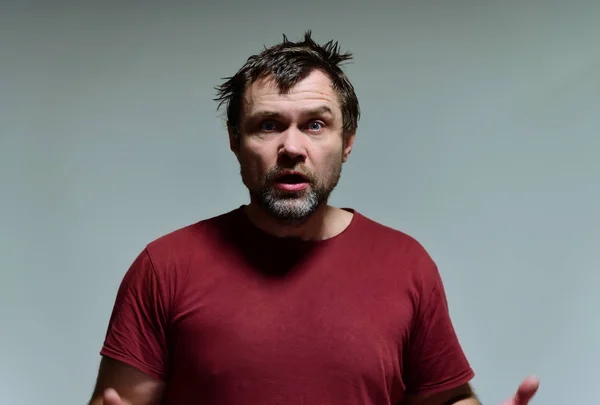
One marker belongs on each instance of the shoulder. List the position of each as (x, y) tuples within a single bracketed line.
[(407, 253), (172, 253), (402, 243), (192, 237)]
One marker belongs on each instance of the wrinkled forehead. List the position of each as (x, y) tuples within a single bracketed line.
[(315, 92)]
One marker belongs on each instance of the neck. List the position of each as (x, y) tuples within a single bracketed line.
[(326, 222)]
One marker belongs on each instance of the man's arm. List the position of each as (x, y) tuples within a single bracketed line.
[(462, 395), (132, 386), (135, 353)]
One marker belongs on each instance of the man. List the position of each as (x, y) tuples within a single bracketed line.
[(286, 300)]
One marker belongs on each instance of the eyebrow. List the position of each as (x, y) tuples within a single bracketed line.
[(266, 114)]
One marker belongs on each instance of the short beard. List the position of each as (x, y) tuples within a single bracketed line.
[(291, 206)]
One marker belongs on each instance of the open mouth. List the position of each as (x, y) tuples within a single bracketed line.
[(291, 178), (292, 182)]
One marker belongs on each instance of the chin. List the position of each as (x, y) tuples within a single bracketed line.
[(293, 209)]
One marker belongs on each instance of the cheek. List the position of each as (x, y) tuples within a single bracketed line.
[(333, 158), (252, 162), (328, 167)]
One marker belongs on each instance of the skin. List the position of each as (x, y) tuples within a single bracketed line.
[(305, 134), (299, 130)]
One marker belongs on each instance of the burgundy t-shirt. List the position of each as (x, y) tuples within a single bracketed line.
[(226, 314)]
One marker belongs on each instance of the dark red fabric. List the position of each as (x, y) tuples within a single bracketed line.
[(227, 314)]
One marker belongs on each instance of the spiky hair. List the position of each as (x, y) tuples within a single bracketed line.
[(287, 63)]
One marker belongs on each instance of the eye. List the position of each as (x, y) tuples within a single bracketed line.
[(315, 126), (268, 126)]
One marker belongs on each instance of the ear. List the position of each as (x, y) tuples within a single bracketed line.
[(234, 140), (349, 138)]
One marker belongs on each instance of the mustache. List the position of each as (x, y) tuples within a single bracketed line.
[(277, 171)]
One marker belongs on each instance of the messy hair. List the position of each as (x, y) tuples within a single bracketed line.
[(288, 63)]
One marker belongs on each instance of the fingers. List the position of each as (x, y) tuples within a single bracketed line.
[(526, 390), (111, 397)]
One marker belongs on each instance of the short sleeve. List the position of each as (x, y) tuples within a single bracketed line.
[(435, 358), (136, 332)]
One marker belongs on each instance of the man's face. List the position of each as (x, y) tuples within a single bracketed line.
[(291, 147)]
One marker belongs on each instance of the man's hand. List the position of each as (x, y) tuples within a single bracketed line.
[(525, 392), (112, 397), (121, 384)]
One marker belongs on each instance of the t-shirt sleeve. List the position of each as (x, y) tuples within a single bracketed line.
[(136, 332), (435, 359)]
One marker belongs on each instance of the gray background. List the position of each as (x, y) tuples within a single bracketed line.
[(479, 138)]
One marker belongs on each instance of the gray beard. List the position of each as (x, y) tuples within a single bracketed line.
[(291, 208)]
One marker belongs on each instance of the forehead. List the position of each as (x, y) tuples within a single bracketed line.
[(313, 92)]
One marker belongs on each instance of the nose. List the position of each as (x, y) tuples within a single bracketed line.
[(292, 145)]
